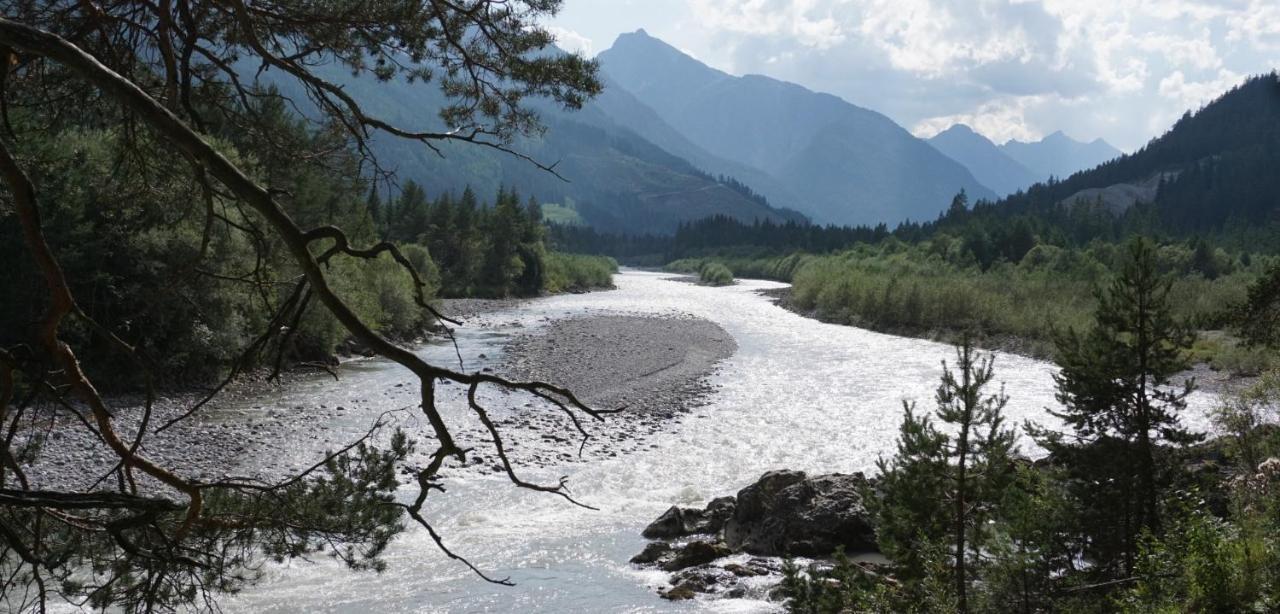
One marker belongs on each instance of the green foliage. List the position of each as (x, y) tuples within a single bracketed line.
[(844, 587), (123, 249), (1119, 404), (576, 273), (1205, 564), (847, 586), (936, 288), (489, 250), (943, 486), (715, 274), (1247, 421), (1258, 316), (346, 509)]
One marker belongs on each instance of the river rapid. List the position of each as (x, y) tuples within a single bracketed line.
[(797, 394)]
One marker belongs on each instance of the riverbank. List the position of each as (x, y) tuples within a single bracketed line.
[(654, 368), (1209, 378)]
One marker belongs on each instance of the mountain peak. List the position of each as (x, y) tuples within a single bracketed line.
[(958, 129), (990, 166)]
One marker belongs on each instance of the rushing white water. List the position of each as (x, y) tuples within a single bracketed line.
[(798, 394)]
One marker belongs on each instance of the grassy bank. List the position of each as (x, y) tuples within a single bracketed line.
[(577, 273), (933, 290)]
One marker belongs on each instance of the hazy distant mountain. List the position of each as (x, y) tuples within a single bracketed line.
[(989, 165), (625, 110), (1059, 155), (617, 180), (847, 164)]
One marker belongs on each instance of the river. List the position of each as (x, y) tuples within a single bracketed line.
[(797, 394)]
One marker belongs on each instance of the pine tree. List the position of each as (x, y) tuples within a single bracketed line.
[(943, 485), (1119, 404), (1258, 318)]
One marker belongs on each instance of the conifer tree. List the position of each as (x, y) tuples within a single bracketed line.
[(1258, 317), (1119, 403), (943, 484)]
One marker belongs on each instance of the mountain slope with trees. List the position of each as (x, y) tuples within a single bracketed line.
[(848, 164), (615, 178), (1215, 176)]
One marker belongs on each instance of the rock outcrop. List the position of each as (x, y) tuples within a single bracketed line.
[(784, 513)]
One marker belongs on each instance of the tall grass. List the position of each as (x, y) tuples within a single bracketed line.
[(933, 289), (577, 273)]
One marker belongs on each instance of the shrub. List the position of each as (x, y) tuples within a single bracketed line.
[(575, 272), (715, 274)]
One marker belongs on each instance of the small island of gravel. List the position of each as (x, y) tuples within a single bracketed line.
[(649, 365)]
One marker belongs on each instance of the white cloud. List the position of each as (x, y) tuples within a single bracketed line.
[(1194, 94), (1119, 69), (999, 121), (571, 41), (1259, 24), (812, 23)]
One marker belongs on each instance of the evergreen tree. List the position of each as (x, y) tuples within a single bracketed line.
[(1118, 402), (1258, 318), (943, 484)]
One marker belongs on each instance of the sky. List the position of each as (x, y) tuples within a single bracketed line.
[(1121, 70)]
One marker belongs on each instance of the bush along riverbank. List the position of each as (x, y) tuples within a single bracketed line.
[(936, 289), (1127, 510)]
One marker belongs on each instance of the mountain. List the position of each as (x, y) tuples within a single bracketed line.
[(846, 164), (1059, 155), (989, 165), (623, 110), (1214, 170), (614, 178)]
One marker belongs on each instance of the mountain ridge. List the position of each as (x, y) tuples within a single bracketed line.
[(617, 179), (988, 163), (1058, 155), (849, 165)]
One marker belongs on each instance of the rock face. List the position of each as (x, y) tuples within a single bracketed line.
[(786, 513), (684, 521)]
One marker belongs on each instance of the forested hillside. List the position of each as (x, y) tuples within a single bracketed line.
[(1215, 171), (608, 173), (125, 230)]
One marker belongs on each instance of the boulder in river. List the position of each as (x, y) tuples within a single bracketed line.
[(786, 513), (684, 521), (696, 553)]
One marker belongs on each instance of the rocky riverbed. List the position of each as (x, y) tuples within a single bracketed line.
[(654, 368), (650, 366)]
